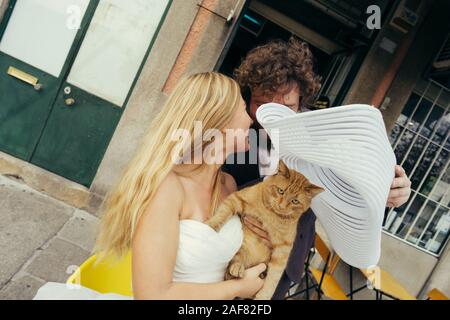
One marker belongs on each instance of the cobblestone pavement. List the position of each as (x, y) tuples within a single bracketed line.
[(41, 239)]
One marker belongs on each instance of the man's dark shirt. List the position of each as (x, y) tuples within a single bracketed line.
[(248, 174)]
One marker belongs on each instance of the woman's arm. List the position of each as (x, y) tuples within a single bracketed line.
[(155, 246)]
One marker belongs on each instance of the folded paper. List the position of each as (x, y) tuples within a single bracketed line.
[(346, 151)]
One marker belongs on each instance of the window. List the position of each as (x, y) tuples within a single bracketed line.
[(421, 142)]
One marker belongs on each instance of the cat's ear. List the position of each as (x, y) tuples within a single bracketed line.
[(313, 190), (283, 170)]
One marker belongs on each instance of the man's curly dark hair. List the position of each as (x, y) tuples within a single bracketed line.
[(277, 64)]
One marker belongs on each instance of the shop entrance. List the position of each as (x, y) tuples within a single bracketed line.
[(335, 31)]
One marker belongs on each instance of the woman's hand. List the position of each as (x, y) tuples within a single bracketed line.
[(256, 226), (251, 282), (400, 188)]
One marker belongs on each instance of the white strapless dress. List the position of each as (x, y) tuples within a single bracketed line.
[(203, 255)]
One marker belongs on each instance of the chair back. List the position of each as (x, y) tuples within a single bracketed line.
[(108, 276), (436, 294)]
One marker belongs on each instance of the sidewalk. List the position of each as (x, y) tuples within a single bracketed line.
[(41, 238)]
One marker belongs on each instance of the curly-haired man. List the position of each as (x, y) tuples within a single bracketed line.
[(283, 72)]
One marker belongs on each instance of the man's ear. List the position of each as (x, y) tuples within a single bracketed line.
[(313, 190), (283, 170)]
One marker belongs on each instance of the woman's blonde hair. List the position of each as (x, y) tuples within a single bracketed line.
[(211, 98)]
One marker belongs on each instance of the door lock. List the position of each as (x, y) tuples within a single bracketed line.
[(69, 101)]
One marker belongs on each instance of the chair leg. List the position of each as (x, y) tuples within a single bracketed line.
[(306, 289), (307, 273), (307, 285), (323, 275), (304, 278), (319, 294)]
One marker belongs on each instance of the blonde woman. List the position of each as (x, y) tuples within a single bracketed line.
[(158, 208)]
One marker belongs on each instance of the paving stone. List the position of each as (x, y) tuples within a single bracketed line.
[(27, 221), (24, 288), (55, 262), (81, 229)]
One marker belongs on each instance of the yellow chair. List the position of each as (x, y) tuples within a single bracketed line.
[(385, 284), (323, 281), (330, 287), (435, 294), (108, 276), (326, 283)]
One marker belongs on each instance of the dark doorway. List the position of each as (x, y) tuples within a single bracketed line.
[(338, 37)]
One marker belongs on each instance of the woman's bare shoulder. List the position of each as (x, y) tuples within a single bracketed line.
[(173, 179), (162, 211), (169, 194), (171, 186)]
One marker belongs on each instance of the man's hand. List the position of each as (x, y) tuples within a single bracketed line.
[(400, 189), (254, 225)]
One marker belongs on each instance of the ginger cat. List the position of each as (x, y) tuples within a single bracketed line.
[(278, 202)]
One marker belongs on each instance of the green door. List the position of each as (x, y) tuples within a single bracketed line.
[(67, 68)]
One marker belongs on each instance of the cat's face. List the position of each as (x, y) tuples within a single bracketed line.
[(288, 193)]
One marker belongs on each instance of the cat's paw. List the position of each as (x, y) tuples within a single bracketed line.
[(237, 270)]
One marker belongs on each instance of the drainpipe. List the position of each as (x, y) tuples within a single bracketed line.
[(386, 82), (388, 78), (194, 37)]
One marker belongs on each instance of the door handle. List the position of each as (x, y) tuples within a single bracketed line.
[(25, 77)]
